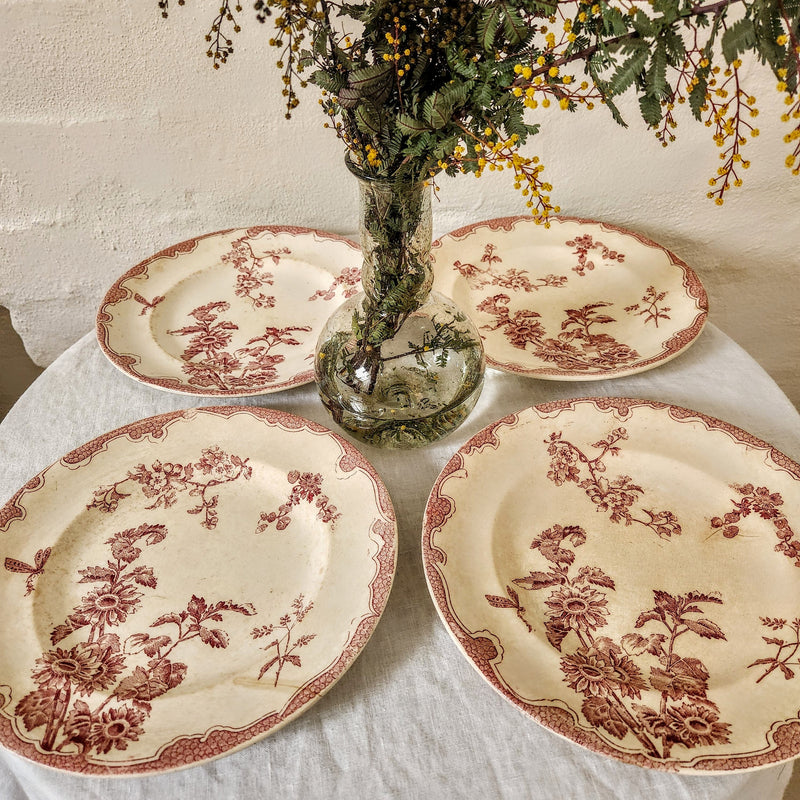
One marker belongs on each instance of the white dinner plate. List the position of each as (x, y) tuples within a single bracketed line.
[(579, 300), (628, 574), (229, 314), (178, 588)]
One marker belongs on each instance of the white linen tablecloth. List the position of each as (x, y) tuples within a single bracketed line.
[(411, 718)]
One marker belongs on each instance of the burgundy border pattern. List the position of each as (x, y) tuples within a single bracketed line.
[(117, 293), (482, 651), (671, 348), (187, 751)]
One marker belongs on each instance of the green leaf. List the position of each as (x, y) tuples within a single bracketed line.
[(393, 145), (676, 47), (348, 97), (369, 119), (411, 126), (768, 26), (630, 69), (651, 109), (593, 66), (456, 93), (643, 25), (488, 23), (514, 27), (321, 43), (445, 148), (656, 78), (437, 110), (367, 79), (460, 63), (420, 66), (697, 95), (364, 12), (614, 22), (332, 83), (481, 95), (514, 124), (305, 59), (669, 9), (738, 38)]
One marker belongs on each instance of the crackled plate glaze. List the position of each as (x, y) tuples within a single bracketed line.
[(579, 300), (229, 314), (183, 586), (628, 574)]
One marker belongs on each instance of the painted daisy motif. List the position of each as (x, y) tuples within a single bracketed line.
[(115, 728), (671, 685), (109, 605), (87, 667), (580, 609), (588, 672), (127, 673), (693, 724)]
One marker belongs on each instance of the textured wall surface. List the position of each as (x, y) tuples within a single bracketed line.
[(118, 139)]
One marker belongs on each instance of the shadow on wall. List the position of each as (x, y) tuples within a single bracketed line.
[(17, 371)]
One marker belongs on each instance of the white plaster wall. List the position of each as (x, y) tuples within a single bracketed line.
[(118, 139)]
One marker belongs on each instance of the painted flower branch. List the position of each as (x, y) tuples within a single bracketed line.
[(761, 502), (616, 496), (673, 707), (83, 698), (787, 650), (162, 482), (426, 88), (305, 486), (281, 647)]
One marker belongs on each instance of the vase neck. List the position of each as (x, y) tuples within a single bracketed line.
[(395, 227)]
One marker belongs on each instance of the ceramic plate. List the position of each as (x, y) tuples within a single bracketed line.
[(628, 574), (580, 300), (228, 314), (184, 586)]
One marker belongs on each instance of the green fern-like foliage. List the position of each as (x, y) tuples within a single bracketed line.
[(424, 88)]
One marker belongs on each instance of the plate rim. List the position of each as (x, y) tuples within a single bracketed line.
[(117, 293), (676, 345), (187, 750), (480, 651)]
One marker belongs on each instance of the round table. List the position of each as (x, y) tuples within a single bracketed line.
[(411, 718)]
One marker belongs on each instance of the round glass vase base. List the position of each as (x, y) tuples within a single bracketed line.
[(389, 432), (413, 390)]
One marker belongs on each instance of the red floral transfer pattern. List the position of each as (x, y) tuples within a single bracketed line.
[(208, 362), (281, 647), (348, 281), (96, 692), (164, 482), (641, 685), (615, 496), (786, 654), (553, 346), (306, 486), (124, 715), (766, 504), (253, 275), (649, 307), (583, 244), (514, 279), (576, 347), (681, 704)]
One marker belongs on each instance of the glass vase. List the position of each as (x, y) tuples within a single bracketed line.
[(398, 365)]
